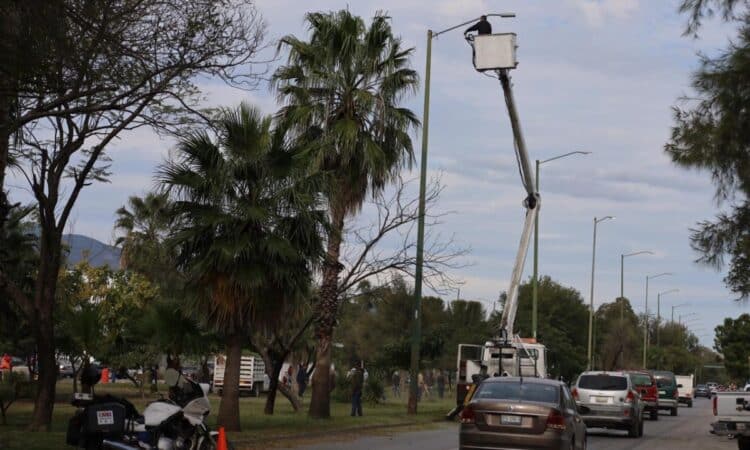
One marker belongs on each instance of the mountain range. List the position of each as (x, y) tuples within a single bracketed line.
[(99, 254)]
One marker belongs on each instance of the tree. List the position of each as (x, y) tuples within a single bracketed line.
[(111, 67), (618, 343), (19, 252), (145, 223), (247, 229), (342, 90), (561, 316), (733, 341), (711, 133)]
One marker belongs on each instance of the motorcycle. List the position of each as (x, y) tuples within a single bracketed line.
[(175, 423)]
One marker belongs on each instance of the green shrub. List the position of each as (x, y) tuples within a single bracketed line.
[(374, 390), (14, 386), (343, 391)]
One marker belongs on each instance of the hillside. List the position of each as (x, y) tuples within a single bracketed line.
[(98, 253)]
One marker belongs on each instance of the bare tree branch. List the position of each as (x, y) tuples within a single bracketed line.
[(387, 246)]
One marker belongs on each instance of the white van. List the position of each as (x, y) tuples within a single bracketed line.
[(686, 389)]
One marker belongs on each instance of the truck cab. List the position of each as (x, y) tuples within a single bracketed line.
[(520, 358)]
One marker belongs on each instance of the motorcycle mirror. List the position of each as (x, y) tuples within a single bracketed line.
[(171, 377)]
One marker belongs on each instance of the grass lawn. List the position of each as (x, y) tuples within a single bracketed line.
[(258, 430)]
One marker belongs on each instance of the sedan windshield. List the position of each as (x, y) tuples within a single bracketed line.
[(603, 382), (531, 392)]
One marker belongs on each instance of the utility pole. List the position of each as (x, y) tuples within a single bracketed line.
[(591, 300), (645, 318), (416, 337), (535, 276)]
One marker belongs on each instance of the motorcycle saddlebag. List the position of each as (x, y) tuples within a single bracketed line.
[(106, 418)]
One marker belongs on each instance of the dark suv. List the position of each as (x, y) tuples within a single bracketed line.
[(667, 384), (645, 384)]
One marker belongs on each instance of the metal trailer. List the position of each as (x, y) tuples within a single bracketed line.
[(253, 378)]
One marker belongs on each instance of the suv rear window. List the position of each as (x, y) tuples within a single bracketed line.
[(640, 379), (603, 382), (664, 381), (530, 392)]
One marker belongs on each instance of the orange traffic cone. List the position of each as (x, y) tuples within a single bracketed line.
[(222, 443)]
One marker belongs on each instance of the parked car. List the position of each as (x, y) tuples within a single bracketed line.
[(645, 385), (667, 384), (685, 391), (611, 401), (702, 391), (522, 413)]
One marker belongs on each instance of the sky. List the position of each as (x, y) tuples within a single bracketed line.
[(599, 76)]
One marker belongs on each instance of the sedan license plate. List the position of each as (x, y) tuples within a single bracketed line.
[(510, 420), (600, 399), (662, 392)]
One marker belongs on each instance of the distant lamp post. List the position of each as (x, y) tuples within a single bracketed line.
[(675, 307), (658, 312), (622, 277), (591, 300), (645, 317), (418, 272), (535, 277)]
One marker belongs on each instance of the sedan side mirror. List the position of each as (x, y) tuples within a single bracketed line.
[(583, 409)]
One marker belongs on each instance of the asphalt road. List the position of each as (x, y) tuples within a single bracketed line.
[(687, 431)]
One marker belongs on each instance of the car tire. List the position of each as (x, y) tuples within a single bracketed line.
[(690, 404), (743, 443), (654, 415), (640, 428), (673, 412)]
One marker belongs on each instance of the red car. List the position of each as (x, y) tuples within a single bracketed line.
[(645, 384)]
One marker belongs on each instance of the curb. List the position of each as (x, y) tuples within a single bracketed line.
[(339, 431)]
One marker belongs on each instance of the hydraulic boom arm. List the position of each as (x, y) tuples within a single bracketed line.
[(531, 203)]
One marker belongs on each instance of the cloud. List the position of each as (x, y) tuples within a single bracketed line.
[(597, 12)]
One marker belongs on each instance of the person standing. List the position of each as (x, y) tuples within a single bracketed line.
[(301, 379), (6, 366), (441, 383), (358, 381), (396, 382)]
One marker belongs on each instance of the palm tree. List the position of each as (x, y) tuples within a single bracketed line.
[(341, 92), (145, 223), (247, 229)]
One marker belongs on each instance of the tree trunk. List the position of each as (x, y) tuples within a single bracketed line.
[(229, 408), (325, 312), (291, 396), (75, 375), (43, 327), (275, 366)]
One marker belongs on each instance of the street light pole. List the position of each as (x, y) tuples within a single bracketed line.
[(622, 279), (535, 277), (645, 317), (416, 337), (686, 315), (658, 313), (677, 306), (591, 300)]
